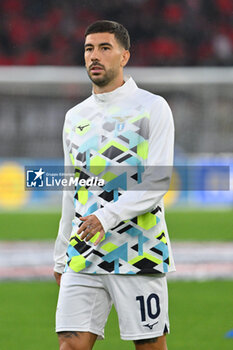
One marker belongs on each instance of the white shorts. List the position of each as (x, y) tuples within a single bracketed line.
[(141, 303)]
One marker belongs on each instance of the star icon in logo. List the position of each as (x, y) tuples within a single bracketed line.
[(39, 174)]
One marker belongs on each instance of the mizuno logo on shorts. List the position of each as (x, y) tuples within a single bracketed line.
[(150, 326)]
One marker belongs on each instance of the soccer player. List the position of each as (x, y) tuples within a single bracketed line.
[(116, 240)]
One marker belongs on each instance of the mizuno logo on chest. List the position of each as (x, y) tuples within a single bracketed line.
[(81, 127)]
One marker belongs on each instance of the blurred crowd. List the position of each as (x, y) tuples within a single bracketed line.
[(163, 32)]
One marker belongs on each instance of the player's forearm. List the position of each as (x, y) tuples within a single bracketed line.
[(129, 205), (145, 196), (141, 199)]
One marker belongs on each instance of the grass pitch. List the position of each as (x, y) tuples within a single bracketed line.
[(200, 316)]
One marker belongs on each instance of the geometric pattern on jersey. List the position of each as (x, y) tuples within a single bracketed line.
[(136, 246)]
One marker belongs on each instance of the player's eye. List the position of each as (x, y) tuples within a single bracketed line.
[(105, 48), (88, 49)]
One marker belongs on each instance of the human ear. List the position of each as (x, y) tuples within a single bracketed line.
[(125, 58)]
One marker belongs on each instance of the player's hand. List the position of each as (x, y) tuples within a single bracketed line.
[(90, 226), (57, 277)]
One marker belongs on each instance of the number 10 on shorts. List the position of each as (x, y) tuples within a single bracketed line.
[(150, 307)]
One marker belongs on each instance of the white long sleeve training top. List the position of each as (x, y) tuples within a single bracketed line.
[(125, 137)]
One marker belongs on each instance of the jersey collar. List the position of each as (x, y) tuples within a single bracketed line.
[(128, 87)]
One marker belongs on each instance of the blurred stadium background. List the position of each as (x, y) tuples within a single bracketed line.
[(182, 50)]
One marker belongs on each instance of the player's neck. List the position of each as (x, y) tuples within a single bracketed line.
[(113, 85)]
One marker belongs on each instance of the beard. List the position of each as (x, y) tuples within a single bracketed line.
[(103, 79)]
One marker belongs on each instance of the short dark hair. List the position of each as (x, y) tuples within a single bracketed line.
[(104, 26)]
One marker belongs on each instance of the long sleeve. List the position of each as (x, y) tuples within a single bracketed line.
[(143, 198), (68, 212)]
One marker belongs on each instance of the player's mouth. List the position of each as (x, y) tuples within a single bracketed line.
[(96, 69)]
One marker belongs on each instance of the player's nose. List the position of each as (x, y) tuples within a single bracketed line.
[(95, 55)]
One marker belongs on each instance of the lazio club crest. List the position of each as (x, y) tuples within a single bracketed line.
[(121, 122)]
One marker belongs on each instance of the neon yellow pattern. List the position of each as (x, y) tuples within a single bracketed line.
[(162, 239), (142, 149), (147, 256), (83, 195), (73, 242), (77, 173), (72, 158), (140, 116), (115, 144), (77, 263), (109, 247), (147, 221), (95, 237), (109, 176), (97, 165)]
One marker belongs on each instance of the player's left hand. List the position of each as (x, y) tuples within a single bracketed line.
[(90, 226)]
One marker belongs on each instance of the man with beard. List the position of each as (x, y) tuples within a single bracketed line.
[(116, 240)]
